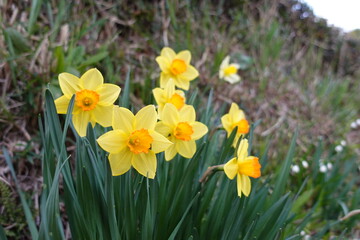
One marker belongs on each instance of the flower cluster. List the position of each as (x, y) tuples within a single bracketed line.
[(134, 140)]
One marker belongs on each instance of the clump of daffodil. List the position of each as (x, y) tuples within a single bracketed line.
[(94, 100), (177, 67), (180, 128), (228, 71), (133, 141), (235, 118), (243, 166), (169, 95)]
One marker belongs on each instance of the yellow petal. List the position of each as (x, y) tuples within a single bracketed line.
[(231, 168), (170, 152), (92, 79), (227, 124), (163, 128), (169, 88), (168, 53), (108, 94), (246, 184), (239, 184), (123, 119), (181, 83), (146, 118), (81, 121), (159, 95), (199, 129), (69, 84), (184, 55), (190, 74), (160, 143), (103, 115), (120, 162), (186, 149), (113, 141), (234, 78), (236, 114), (145, 164), (164, 63), (242, 151), (187, 114), (62, 104), (225, 62), (164, 78), (170, 115)]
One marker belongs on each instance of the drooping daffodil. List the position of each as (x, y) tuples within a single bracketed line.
[(242, 167), (228, 71)]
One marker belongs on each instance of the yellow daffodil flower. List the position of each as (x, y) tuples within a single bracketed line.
[(177, 67), (235, 118), (169, 95), (94, 100), (180, 128), (243, 166), (133, 141), (228, 71)]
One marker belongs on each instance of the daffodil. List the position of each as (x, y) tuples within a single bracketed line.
[(180, 128), (169, 95), (235, 118), (228, 71), (243, 167), (176, 66), (94, 100), (133, 141)]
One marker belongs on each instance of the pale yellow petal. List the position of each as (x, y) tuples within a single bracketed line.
[(231, 168), (242, 151), (182, 83), (160, 143), (170, 152), (123, 119), (187, 114), (190, 74), (169, 88), (159, 95), (184, 55), (199, 129), (164, 63), (120, 162), (186, 149), (227, 124), (236, 113), (225, 62), (62, 104), (103, 115), (81, 121), (234, 78), (239, 184), (145, 164), (170, 115), (146, 118), (168, 53), (113, 141), (246, 184), (108, 93), (164, 78), (69, 84), (163, 129), (92, 79)]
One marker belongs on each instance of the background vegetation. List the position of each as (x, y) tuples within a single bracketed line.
[(299, 75)]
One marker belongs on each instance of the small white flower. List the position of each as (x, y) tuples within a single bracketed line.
[(305, 164), (343, 143), (302, 233), (295, 169), (329, 165), (228, 71), (307, 237), (338, 148), (358, 121), (353, 125), (323, 168)]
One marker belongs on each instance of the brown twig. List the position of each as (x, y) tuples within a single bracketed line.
[(350, 214), (210, 171)]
